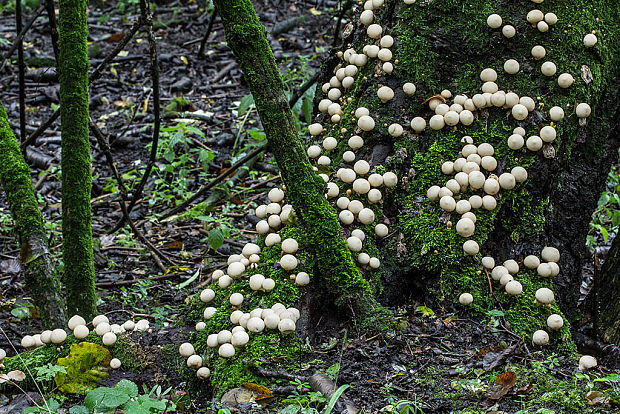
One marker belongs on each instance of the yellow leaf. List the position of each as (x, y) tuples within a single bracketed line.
[(315, 12), (184, 60)]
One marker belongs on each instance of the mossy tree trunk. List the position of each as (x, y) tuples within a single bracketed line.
[(445, 45), (79, 276), (305, 189), (609, 295), (39, 271)]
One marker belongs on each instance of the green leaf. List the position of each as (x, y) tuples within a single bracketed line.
[(615, 220), (129, 387), (257, 134), (144, 405), (85, 366), (105, 399), (246, 102), (79, 409), (216, 238), (335, 396), (603, 200), (50, 406), (188, 282)]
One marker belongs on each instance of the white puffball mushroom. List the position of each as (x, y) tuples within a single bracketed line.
[(330, 143), (534, 143), (288, 262), (395, 130), (540, 338), (409, 89), (451, 118), (226, 351), (109, 339), (447, 203), (548, 133), (256, 281), (381, 230), (115, 363), (374, 31), (437, 122), (447, 168), (209, 312), (544, 270), (314, 151), (538, 52), (587, 362), (556, 113), (488, 75), (513, 288), (200, 326), (550, 254), (366, 123), (589, 40), (262, 227), (236, 299), (507, 181), (374, 196), (28, 342), (224, 281), (531, 261), (142, 325), (224, 336), (240, 338), (494, 21), (348, 156), (418, 124), (212, 341), (354, 244), (466, 117), (511, 66), (555, 322), (207, 295), (565, 80), (81, 331), (498, 272), (355, 206), (45, 338), (367, 17), (323, 161), (551, 18), (384, 54), (103, 328), (355, 142), (488, 262), (361, 186), (203, 373), (290, 246), (272, 239), (471, 247), (465, 227), (359, 234), (100, 318), (544, 296), (535, 16), (366, 216), (542, 26), (515, 142), (186, 349), (385, 93), (489, 202), (519, 112), (374, 263), (548, 69), (315, 129), (583, 110), (512, 266), (346, 217), (75, 321), (361, 167), (505, 279), (390, 179), (466, 299), (286, 326), (519, 131), (256, 325), (302, 279)]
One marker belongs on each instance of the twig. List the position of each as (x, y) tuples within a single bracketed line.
[(21, 72), (214, 182), (20, 37), (299, 92), (201, 49), (51, 17), (147, 21), (223, 72)]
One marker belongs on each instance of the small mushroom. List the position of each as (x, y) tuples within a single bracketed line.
[(186, 349), (531, 262), (513, 288), (466, 299), (81, 331), (538, 52), (550, 254), (385, 93), (565, 80), (488, 262), (115, 363), (540, 338), (544, 296), (587, 362), (555, 322), (590, 40), (471, 247), (409, 89), (494, 21), (109, 338), (58, 336), (226, 351), (366, 123), (203, 373)]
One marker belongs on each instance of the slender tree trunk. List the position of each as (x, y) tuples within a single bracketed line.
[(76, 177), (305, 189), (39, 271), (609, 295)]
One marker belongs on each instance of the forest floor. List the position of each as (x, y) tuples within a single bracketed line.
[(433, 362)]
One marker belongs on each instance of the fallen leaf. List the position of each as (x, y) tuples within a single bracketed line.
[(586, 74), (115, 37), (595, 397)]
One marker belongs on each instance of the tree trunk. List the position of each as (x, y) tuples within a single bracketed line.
[(39, 270), (305, 189), (441, 45), (609, 294), (76, 177)]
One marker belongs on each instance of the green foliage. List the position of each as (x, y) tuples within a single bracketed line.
[(606, 217), (84, 368)]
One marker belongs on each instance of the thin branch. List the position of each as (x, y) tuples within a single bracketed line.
[(51, 17), (21, 72), (20, 36), (299, 92), (203, 43)]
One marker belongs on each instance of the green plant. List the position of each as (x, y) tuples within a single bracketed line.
[(302, 401), (606, 217)]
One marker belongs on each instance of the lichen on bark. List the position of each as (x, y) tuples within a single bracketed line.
[(79, 273), (39, 270)]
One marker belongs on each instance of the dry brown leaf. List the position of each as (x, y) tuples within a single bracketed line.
[(115, 37), (506, 381), (595, 397)]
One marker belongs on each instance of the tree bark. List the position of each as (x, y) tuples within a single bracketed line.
[(246, 36), (609, 295), (39, 271), (73, 66)]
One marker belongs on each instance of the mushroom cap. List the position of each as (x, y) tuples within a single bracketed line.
[(100, 318), (548, 133), (512, 266), (203, 373), (286, 326), (28, 342), (374, 31), (587, 362), (491, 186), (354, 244), (534, 143), (236, 269), (236, 299), (361, 186), (589, 40), (531, 261), (302, 279), (488, 262), (288, 262), (409, 88), (272, 239), (207, 295), (275, 195), (255, 325), (511, 66), (465, 227), (540, 338), (58, 336), (466, 299), (366, 216), (498, 272), (489, 202), (437, 122), (538, 52), (519, 112), (346, 217), (544, 296), (224, 336), (75, 321), (385, 93), (374, 196), (381, 230), (348, 156), (109, 338), (515, 142), (186, 349), (447, 203), (509, 31), (556, 113), (476, 179), (374, 263), (240, 338), (200, 326), (513, 288), (224, 281), (550, 254), (367, 17), (471, 247), (212, 341), (507, 181), (315, 129), (418, 124), (226, 351), (519, 173), (366, 123), (505, 279), (45, 337), (209, 312), (583, 110), (395, 130), (290, 246), (361, 167), (81, 331), (565, 80), (475, 201), (494, 21), (548, 68), (115, 363), (463, 207), (555, 322), (535, 16), (390, 179)]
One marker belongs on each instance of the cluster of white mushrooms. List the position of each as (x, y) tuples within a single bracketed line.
[(79, 328)]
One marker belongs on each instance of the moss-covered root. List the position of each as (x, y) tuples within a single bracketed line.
[(39, 271), (246, 36), (76, 177)]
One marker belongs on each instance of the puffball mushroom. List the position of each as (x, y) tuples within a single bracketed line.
[(240, 338), (587, 362), (354, 244), (489, 202), (45, 338), (75, 321), (488, 262), (142, 325), (491, 186), (209, 312), (361, 167), (465, 227), (109, 338), (565, 80), (535, 16), (290, 246), (466, 117), (348, 156), (583, 110), (548, 69), (288, 262), (224, 281), (556, 113), (513, 288), (395, 130), (538, 52), (272, 239), (390, 179), (462, 207), (226, 351), (355, 142), (418, 124), (555, 322), (519, 173), (81, 331), (540, 338), (505, 279), (498, 272), (512, 266), (488, 75), (494, 21), (544, 270), (346, 217), (115, 363), (103, 328), (589, 40), (437, 122), (236, 299), (374, 31), (381, 230), (206, 296), (531, 262), (255, 325), (544, 296), (471, 247), (366, 216), (534, 143), (186, 349), (374, 196), (28, 342), (359, 234), (466, 299), (367, 17), (385, 93), (384, 55), (200, 326), (519, 112), (550, 254), (100, 318), (203, 373), (315, 129), (302, 279), (507, 181), (511, 66), (542, 26), (447, 203), (409, 88), (314, 151), (286, 326), (515, 142), (366, 123)]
